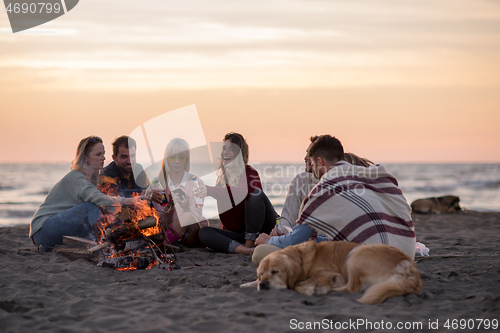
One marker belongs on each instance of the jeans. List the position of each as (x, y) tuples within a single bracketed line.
[(300, 233), (77, 221), (260, 217), (220, 240)]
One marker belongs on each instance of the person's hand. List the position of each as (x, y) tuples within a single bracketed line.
[(134, 200), (201, 192), (142, 197), (155, 196), (262, 239), (181, 201), (276, 232)]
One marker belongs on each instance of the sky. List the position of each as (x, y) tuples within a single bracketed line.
[(400, 81)]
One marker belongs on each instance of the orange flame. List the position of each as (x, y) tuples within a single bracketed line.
[(140, 211)]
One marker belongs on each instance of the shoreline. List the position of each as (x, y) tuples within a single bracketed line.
[(215, 222), (47, 292)]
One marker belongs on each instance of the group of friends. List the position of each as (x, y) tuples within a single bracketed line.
[(339, 197)]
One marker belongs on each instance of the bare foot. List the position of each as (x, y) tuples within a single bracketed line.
[(241, 249)]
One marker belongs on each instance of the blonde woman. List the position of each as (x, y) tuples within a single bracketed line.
[(244, 209), (75, 204), (356, 160), (184, 222)]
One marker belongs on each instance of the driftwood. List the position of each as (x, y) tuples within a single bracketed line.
[(75, 248), (78, 241)]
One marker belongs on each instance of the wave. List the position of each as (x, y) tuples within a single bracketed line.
[(17, 213), (480, 184), (42, 192), (37, 203), (446, 186)]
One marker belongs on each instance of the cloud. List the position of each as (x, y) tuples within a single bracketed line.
[(262, 44)]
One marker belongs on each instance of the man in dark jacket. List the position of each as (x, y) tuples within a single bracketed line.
[(123, 176)]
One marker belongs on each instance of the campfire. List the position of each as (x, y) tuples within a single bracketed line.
[(132, 239)]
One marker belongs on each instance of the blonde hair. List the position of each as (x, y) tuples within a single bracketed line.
[(175, 146), (79, 163), (356, 160), (231, 174)]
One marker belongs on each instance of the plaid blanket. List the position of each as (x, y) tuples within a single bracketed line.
[(362, 205)]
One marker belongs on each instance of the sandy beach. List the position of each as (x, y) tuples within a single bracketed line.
[(49, 293)]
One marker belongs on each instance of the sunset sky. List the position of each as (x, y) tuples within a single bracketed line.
[(395, 81)]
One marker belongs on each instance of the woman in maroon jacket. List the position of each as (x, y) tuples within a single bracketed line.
[(244, 209)]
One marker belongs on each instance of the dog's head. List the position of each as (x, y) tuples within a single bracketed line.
[(283, 269), (273, 272), (451, 202)]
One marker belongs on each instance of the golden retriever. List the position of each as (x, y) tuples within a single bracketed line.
[(317, 268), (440, 205)]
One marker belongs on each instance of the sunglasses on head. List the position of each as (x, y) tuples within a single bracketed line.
[(95, 139), (181, 159)]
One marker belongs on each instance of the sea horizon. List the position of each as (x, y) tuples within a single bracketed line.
[(25, 185)]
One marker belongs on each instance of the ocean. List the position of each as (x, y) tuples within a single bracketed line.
[(23, 187)]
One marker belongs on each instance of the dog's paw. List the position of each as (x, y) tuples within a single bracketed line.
[(338, 281), (305, 289), (322, 290)]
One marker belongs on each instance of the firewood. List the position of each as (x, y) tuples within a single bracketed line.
[(75, 248), (125, 214), (98, 247), (117, 234), (147, 223), (126, 262), (75, 253), (158, 238), (78, 241)]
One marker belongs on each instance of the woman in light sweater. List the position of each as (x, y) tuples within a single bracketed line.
[(75, 204), (183, 222)]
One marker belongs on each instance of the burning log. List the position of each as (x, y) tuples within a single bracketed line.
[(127, 214), (150, 222), (127, 262), (119, 231)]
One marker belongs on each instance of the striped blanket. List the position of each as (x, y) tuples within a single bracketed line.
[(362, 205)]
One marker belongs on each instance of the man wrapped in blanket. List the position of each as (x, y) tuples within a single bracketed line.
[(351, 203)]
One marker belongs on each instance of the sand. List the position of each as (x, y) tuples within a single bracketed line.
[(49, 293)]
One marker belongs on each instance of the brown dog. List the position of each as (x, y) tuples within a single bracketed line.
[(440, 205), (308, 268)]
